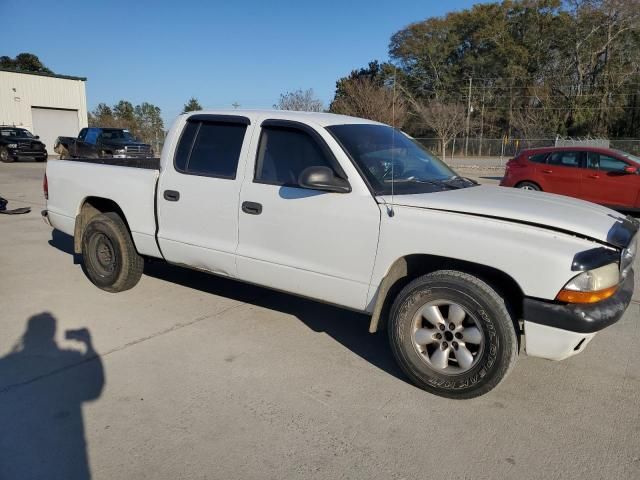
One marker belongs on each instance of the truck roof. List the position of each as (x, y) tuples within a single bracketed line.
[(319, 118)]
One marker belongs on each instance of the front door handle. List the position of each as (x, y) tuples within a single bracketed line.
[(252, 208), (547, 171), (171, 195)]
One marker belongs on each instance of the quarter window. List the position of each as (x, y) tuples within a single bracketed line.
[(210, 149), (284, 153)]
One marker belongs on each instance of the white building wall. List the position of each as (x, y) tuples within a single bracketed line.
[(20, 91)]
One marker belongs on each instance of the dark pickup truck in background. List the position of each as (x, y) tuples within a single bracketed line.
[(17, 143), (95, 142)]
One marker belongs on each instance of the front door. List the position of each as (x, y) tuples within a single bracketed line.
[(198, 193), (316, 244), (605, 181)]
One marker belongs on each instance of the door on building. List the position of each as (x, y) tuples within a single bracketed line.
[(51, 123)]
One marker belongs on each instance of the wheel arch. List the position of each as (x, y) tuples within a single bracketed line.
[(89, 208), (409, 267)]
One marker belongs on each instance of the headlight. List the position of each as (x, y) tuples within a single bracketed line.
[(12, 145), (120, 150), (591, 286)]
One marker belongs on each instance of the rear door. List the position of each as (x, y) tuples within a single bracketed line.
[(561, 173), (198, 193), (317, 244), (605, 181)]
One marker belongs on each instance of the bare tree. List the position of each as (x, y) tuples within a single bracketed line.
[(363, 98), (447, 120), (300, 100)]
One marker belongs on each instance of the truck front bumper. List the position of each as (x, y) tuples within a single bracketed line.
[(558, 331)]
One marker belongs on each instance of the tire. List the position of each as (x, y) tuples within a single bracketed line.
[(483, 327), (109, 257), (4, 155), (529, 186)]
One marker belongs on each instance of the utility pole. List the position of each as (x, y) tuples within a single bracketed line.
[(466, 141)]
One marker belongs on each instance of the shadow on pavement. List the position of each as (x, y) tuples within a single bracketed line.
[(346, 327), (42, 389)]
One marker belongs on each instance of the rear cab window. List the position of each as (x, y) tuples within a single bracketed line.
[(210, 146)]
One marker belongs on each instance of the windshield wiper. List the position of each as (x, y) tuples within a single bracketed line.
[(466, 179), (435, 182)]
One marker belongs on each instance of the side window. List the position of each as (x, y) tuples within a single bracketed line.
[(210, 149), (92, 135), (284, 153), (565, 159), (539, 158), (610, 164)]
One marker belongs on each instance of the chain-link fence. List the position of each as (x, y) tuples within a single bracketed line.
[(494, 152)]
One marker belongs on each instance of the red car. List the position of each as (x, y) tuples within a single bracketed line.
[(599, 175)]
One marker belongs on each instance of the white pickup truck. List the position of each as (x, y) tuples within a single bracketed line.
[(357, 214)]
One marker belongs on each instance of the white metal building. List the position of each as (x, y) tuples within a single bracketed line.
[(47, 105)]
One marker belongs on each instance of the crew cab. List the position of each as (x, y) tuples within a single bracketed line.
[(19, 143), (95, 142), (357, 214)]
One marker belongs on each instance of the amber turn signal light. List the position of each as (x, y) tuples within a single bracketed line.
[(571, 296)]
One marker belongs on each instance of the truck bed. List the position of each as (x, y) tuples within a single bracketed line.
[(129, 182)]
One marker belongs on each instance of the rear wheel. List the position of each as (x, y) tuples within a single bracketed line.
[(4, 155), (110, 259), (452, 335), (529, 186)]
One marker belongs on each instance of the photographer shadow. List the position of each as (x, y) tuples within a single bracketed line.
[(42, 389)]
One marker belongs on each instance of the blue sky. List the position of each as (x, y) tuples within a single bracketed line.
[(218, 51)]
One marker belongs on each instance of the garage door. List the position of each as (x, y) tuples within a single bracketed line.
[(51, 123)]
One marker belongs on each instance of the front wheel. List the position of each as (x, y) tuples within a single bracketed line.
[(4, 155), (452, 335), (110, 259)]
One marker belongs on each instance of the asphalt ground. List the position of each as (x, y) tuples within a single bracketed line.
[(189, 376)]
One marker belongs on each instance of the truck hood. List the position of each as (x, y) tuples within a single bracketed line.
[(122, 143), (545, 210)]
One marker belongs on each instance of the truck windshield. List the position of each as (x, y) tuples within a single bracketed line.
[(15, 132), (387, 157)]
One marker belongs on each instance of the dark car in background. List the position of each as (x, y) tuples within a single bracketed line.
[(96, 142), (600, 175), (18, 143)]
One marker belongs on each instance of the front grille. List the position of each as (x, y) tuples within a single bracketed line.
[(137, 148), (24, 146)]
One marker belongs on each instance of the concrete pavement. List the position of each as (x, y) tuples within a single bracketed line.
[(199, 377)]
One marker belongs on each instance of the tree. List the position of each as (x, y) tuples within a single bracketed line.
[(363, 97), (192, 105), (24, 62), (447, 120), (299, 100), (143, 121)]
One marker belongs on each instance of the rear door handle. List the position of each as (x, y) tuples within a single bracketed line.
[(252, 208), (547, 171), (171, 195)]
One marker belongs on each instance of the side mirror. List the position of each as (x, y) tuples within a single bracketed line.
[(37, 137), (630, 169), (323, 178)]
